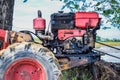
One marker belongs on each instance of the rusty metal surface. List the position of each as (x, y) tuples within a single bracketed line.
[(63, 60), (19, 37), (73, 63)]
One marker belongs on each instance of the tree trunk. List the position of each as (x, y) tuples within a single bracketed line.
[(6, 14)]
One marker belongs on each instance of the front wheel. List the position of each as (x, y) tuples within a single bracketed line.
[(28, 61)]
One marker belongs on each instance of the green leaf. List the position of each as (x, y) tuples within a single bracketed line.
[(99, 9), (83, 1), (25, 1), (76, 6), (66, 1), (98, 4), (63, 7), (106, 28), (107, 12), (118, 10), (114, 2), (72, 3), (118, 20)]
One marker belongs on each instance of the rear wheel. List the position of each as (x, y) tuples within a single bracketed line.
[(28, 61)]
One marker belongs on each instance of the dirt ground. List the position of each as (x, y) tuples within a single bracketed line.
[(104, 71), (108, 70)]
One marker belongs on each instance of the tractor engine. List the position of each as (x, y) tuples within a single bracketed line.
[(69, 32)]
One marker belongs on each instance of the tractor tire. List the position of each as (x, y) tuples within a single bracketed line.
[(28, 61)]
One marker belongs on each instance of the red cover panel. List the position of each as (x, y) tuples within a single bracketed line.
[(2, 34), (39, 24), (64, 34), (82, 19)]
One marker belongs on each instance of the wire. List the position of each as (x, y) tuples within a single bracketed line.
[(106, 54), (108, 45)]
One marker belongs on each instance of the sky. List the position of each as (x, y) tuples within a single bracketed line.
[(24, 13)]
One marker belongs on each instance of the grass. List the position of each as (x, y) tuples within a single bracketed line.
[(79, 73), (108, 43)]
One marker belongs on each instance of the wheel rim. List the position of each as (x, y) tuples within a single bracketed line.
[(25, 69)]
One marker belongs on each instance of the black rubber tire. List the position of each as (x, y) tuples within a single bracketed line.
[(34, 51)]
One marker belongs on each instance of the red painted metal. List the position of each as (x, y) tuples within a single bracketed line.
[(64, 34), (86, 19), (39, 24), (25, 69), (5, 45), (4, 38), (2, 34)]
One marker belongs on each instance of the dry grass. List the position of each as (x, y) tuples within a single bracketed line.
[(108, 43)]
